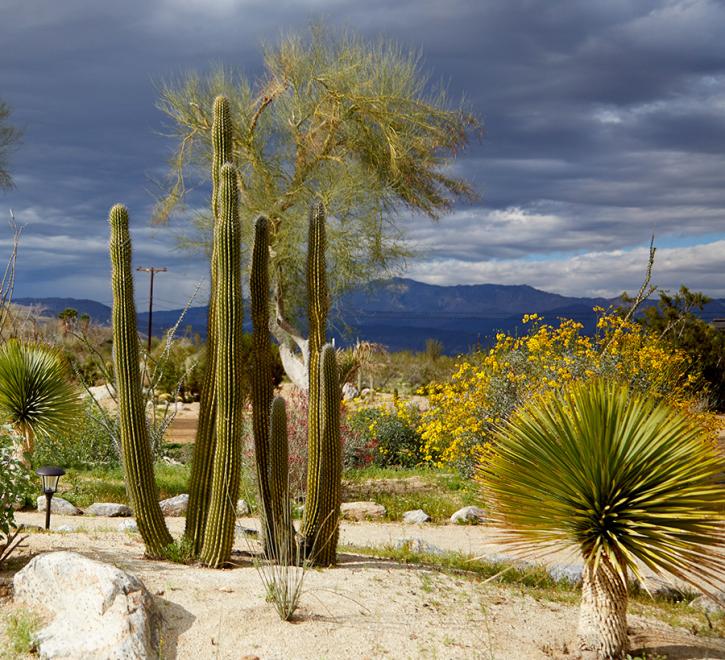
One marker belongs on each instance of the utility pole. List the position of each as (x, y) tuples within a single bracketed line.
[(153, 270)]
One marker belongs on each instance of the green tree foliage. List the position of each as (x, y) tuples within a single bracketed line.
[(674, 319), (9, 137), (620, 478), (354, 124)]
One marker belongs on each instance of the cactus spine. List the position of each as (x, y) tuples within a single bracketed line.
[(322, 506), (203, 458), (280, 514), (219, 535), (135, 445)]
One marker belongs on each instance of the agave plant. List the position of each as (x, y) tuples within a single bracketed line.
[(36, 396), (626, 481)]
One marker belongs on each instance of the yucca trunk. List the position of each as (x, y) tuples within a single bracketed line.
[(219, 534), (603, 613), (135, 445), (203, 458)]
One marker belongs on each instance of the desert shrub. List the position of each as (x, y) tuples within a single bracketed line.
[(16, 486), (90, 443), (389, 435), (488, 386)]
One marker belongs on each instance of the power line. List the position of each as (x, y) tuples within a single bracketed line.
[(153, 270)]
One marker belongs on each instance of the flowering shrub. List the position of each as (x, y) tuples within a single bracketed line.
[(15, 481), (488, 386), (390, 434)]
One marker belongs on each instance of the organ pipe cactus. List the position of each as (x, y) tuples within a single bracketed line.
[(324, 469), (135, 445), (278, 471), (201, 465), (219, 534)]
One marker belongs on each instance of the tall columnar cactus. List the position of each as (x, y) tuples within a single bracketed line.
[(278, 471), (219, 535), (261, 377), (201, 465), (322, 506), (135, 445)]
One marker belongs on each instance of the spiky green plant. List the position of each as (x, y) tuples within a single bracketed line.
[(626, 481), (36, 395), (262, 383), (203, 458), (135, 445), (322, 505), (219, 534)]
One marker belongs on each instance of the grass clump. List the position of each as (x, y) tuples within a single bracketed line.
[(21, 628)]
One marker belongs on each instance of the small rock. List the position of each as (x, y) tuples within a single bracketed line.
[(349, 391), (59, 505), (65, 528), (468, 514), (99, 611), (243, 508), (170, 461), (417, 545), (128, 526), (108, 510), (707, 604), (246, 531), (362, 510), (415, 517), (571, 573), (175, 506)]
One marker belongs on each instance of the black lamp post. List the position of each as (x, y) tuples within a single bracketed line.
[(50, 476)]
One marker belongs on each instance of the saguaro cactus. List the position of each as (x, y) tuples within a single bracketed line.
[(135, 445), (261, 377), (219, 535), (278, 470), (202, 461), (322, 506)]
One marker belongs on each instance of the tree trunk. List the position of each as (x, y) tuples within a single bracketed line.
[(603, 613)]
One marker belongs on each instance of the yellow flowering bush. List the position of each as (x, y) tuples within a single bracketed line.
[(487, 386)]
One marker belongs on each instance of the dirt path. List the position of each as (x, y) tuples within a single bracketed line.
[(365, 608)]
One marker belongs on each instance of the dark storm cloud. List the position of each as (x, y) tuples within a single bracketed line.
[(605, 122)]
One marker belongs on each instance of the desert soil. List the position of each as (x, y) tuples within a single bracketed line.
[(364, 608)]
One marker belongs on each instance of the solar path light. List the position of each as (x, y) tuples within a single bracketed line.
[(50, 476)]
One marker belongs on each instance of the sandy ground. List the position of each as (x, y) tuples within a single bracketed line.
[(364, 608)]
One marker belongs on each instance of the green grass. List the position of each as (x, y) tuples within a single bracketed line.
[(20, 630), (84, 487), (438, 493)]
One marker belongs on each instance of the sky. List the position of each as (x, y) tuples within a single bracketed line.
[(604, 124)]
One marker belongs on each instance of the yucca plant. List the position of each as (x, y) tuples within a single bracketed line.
[(626, 481), (36, 395)]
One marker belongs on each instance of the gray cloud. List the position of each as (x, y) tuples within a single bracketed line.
[(605, 123)]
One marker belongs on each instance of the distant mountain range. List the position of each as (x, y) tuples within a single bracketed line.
[(402, 313)]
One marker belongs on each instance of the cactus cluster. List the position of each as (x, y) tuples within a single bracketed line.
[(216, 464)]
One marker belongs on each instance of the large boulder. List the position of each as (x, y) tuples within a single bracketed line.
[(470, 515), (108, 510), (175, 506), (59, 505), (98, 610), (362, 510)]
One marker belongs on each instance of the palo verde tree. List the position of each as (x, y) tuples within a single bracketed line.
[(9, 137), (355, 125)]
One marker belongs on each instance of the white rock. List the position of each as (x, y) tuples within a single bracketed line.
[(362, 510), (175, 506), (109, 510), (415, 517), (468, 514), (349, 391), (59, 505), (707, 604), (128, 526), (98, 610), (243, 508), (566, 572), (417, 545), (65, 528)]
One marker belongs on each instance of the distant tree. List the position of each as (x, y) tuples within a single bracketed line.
[(9, 137), (674, 318), (68, 318), (433, 348), (333, 118)]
